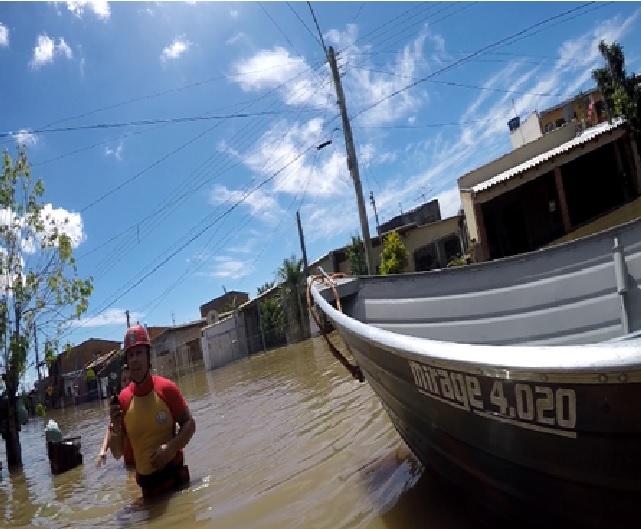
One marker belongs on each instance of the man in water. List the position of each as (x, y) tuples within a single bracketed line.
[(147, 413)]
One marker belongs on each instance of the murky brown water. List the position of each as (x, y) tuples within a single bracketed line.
[(285, 439)]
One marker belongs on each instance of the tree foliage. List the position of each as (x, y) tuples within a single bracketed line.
[(356, 256), (620, 91), (394, 255), (39, 285)]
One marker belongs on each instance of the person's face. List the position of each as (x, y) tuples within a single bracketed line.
[(124, 378), (137, 362)]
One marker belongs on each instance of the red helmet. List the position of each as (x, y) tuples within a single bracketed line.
[(136, 335)]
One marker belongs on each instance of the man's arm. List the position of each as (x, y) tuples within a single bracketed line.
[(165, 453), (116, 433)]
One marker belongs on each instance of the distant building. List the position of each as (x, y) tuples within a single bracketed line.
[(229, 301), (423, 214), (177, 348), (429, 246), (585, 108), (549, 187), (69, 378)]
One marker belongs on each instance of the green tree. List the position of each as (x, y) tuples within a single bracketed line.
[(291, 277), (40, 288), (356, 255), (620, 91), (394, 255)]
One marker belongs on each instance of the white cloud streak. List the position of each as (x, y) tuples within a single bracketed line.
[(46, 49), (115, 152), (4, 35), (25, 137), (112, 316), (175, 50), (100, 8), (230, 267)]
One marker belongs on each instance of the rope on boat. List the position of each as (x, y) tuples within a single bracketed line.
[(328, 280)]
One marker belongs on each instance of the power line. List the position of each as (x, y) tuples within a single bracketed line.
[(320, 33), (183, 190), (305, 25), (147, 122), (462, 85), (206, 228), (178, 149), (260, 4), (480, 51)]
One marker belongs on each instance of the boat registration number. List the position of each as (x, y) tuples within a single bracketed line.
[(532, 406)]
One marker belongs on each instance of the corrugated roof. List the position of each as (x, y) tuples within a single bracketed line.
[(586, 136)]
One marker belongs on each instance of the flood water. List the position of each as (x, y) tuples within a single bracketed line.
[(285, 439)]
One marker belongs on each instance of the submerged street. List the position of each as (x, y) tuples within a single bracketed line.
[(285, 439)]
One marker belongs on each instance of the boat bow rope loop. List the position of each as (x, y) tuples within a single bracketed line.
[(328, 280)]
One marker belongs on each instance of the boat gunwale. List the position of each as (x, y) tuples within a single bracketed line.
[(585, 363)]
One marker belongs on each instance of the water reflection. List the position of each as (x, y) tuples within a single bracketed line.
[(285, 439)]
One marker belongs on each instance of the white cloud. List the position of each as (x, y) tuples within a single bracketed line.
[(54, 219), (229, 267), (224, 147), (234, 13), (275, 68), (174, 50), (449, 202), (261, 204), (236, 38), (25, 137), (4, 35), (46, 49), (112, 316), (283, 143), (65, 221), (100, 8), (115, 152), (244, 247)]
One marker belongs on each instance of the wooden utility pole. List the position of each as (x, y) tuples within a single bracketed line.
[(352, 162), (302, 242)]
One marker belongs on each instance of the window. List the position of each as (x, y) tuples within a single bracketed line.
[(560, 122), (549, 127)]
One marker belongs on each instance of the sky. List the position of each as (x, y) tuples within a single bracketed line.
[(189, 130)]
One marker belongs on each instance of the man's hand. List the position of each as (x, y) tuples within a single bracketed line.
[(162, 457), (101, 459)]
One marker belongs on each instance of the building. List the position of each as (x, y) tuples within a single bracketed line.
[(224, 341), (72, 380), (177, 348), (229, 301), (549, 187), (587, 109), (422, 214), (429, 246)]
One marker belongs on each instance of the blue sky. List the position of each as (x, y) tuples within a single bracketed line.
[(137, 194)]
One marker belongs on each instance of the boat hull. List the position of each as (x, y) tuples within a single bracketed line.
[(567, 447)]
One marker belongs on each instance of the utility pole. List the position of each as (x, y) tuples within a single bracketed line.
[(302, 242), (352, 162), (373, 202), (127, 314)]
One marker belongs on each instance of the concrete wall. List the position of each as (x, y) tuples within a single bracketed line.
[(528, 131), (224, 342), (174, 351)]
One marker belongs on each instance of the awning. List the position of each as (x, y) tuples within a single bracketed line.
[(586, 136)]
